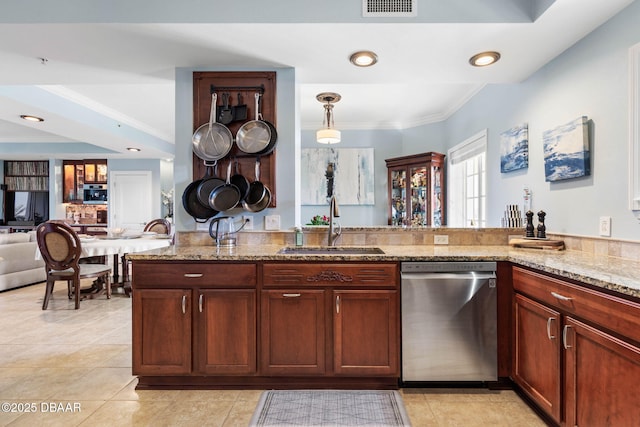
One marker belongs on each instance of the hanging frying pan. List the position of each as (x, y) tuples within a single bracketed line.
[(225, 197), (255, 135), (257, 193), (240, 181), (209, 183), (212, 141), (192, 205)]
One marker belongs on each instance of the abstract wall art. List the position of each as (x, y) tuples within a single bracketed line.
[(354, 175), (514, 148), (566, 151)]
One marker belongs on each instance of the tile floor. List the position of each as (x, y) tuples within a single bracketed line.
[(73, 368)]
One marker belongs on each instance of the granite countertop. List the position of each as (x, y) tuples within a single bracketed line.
[(611, 273)]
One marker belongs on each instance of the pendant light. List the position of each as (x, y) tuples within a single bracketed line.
[(328, 134)]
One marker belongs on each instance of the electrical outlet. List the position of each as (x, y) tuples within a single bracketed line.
[(440, 239), (202, 226), (605, 226), (272, 222), (248, 222)]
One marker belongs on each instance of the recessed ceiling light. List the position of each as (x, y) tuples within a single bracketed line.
[(31, 118), (133, 149), (363, 58), (483, 59)]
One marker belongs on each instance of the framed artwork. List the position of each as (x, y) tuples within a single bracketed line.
[(514, 148), (353, 180), (566, 151)]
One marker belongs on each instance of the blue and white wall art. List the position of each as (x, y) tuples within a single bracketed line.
[(566, 151), (514, 148), (354, 177)]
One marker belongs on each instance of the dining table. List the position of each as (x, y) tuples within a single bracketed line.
[(118, 246)]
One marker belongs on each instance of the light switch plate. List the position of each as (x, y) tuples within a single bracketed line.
[(605, 226), (272, 222)]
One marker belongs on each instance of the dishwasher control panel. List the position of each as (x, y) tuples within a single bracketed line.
[(447, 267)]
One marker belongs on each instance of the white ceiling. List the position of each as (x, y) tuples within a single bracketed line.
[(108, 84)]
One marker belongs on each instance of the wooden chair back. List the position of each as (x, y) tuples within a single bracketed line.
[(160, 226), (59, 245)]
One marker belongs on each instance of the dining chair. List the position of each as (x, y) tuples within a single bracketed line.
[(158, 226), (61, 249)]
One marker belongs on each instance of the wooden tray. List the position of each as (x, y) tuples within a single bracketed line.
[(556, 245)]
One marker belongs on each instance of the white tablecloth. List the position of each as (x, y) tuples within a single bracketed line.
[(121, 246), (98, 246)]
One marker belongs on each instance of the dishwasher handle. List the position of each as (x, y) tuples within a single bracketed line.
[(444, 276)]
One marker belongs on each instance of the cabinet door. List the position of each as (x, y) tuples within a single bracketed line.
[(366, 337), (397, 196), (293, 332), (226, 331), (601, 378), (161, 332), (536, 356), (72, 181)]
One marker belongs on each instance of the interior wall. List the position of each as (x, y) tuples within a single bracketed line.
[(386, 144), (590, 79)]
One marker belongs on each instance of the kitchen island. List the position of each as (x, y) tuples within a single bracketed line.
[(253, 317)]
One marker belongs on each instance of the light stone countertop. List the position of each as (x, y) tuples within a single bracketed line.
[(610, 273)]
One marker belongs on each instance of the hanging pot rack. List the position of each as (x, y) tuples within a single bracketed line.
[(259, 89)]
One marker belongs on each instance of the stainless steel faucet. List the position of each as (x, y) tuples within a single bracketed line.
[(333, 212)]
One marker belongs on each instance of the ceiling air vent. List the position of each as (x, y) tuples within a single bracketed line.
[(389, 8)]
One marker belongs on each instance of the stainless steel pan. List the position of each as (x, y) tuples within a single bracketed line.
[(255, 135), (212, 141)]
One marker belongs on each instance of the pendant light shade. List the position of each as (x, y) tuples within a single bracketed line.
[(328, 134)]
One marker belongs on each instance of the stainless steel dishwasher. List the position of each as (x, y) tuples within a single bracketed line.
[(449, 322)]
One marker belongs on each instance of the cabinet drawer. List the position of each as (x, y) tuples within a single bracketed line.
[(331, 274), (146, 274), (614, 313)]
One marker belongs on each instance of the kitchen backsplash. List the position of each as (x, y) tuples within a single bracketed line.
[(372, 236)]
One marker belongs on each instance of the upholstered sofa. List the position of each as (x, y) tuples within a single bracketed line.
[(18, 266)]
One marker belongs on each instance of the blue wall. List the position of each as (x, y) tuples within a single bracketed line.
[(590, 79)]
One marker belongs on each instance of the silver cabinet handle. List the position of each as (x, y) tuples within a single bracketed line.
[(338, 304), (184, 304), (564, 337), (549, 320), (291, 295), (200, 303), (193, 275), (561, 297)]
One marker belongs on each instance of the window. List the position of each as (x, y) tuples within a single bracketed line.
[(634, 127), (467, 182)]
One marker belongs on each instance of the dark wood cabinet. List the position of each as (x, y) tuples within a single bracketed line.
[(416, 190), (95, 171), (205, 313), (225, 335), (365, 330), (576, 350), (76, 173), (293, 332), (72, 181), (601, 377), (162, 331), (536, 355), (266, 324), (337, 319)]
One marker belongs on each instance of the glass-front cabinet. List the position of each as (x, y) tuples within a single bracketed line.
[(416, 190)]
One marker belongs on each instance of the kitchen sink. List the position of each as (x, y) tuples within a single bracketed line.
[(330, 250)]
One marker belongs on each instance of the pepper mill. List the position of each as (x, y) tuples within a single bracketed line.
[(530, 231), (542, 229)]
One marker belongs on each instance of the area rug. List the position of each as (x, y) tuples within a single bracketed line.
[(330, 408)]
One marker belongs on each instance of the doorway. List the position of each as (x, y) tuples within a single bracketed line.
[(130, 201)]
